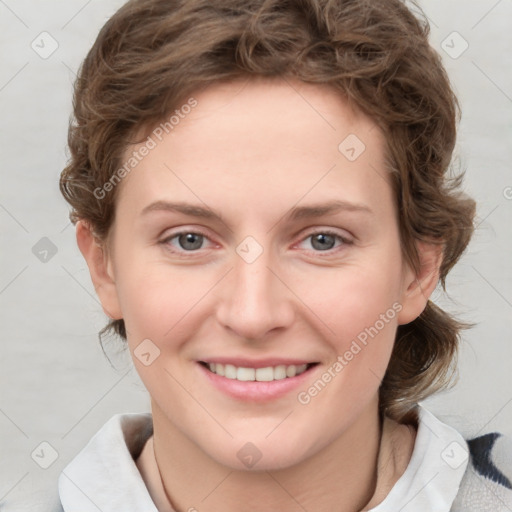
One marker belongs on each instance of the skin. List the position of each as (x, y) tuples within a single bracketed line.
[(253, 151)]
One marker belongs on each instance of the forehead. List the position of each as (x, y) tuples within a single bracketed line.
[(266, 107), (262, 140)]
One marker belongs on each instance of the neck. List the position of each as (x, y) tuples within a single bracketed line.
[(342, 476)]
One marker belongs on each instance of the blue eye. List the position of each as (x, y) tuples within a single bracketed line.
[(323, 241), (188, 241), (193, 241)]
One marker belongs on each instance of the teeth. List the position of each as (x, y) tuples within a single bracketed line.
[(280, 372), (291, 371), (266, 374), (245, 374), (229, 371)]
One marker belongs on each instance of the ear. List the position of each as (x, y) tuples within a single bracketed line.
[(418, 287), (100, 268)]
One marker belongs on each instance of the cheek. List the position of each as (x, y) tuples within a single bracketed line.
[(157, 299), (357, 311), (353, 298), (362, 323)]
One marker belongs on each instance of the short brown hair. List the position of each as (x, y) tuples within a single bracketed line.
[(152, 54)]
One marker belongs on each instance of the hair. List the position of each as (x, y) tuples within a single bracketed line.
[(153, 54)]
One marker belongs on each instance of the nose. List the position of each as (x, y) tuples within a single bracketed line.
[(255, 299)]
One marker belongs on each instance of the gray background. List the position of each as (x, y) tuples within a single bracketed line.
[(58, 387)]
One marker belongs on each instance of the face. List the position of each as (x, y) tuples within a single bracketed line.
[(259, 236)]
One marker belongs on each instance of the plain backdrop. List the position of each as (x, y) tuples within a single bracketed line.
[(57, 386)]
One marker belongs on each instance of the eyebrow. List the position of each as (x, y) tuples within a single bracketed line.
[(297, 213)]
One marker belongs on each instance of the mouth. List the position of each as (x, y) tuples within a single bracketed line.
[(256, 382), (260, 374)]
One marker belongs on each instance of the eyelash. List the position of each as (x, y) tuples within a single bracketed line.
[(345, 241)]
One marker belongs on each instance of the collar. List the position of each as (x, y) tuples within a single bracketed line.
[(433, 476), (104, 475)]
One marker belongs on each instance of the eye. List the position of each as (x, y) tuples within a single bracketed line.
[(185, 241), (323, 241), (193, 241)]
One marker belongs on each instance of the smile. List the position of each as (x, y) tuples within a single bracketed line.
[(262, 380), (266, 374)]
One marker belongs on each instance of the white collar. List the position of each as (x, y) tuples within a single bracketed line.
[(104, 476), (434, 473)]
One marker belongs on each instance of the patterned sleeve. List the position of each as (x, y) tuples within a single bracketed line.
[(487, 483)]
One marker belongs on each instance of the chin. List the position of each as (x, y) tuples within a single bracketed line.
[(258, 456)]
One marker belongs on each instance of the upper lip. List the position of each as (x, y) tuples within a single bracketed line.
[(241, 362)]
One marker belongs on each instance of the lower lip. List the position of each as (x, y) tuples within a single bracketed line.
[(255, 391)]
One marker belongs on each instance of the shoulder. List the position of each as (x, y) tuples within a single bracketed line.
[(487, 481)]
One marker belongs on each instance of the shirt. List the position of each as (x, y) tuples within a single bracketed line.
[(446, 473)]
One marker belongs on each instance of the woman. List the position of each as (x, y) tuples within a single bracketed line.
[(260, 194)]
